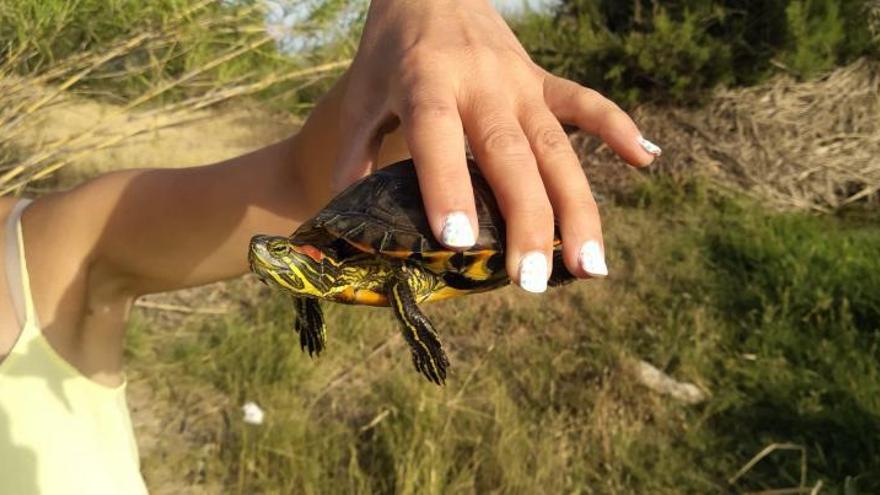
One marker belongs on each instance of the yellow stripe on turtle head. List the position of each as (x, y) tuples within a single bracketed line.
[(296, 270)]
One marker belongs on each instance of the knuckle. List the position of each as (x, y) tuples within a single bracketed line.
[(588, 95), (590, 98), (486, 65), (482, 55), (426, 105), (612, 118), (506, 140), (551, 141), (416, 63), (539, 72)]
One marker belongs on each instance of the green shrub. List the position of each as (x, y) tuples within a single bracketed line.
[(674, 51), (816, 32)]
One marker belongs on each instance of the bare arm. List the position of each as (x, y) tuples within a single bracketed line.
[(141, 231), (135, 232)]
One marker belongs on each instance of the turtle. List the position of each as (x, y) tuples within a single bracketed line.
[(372, 245)]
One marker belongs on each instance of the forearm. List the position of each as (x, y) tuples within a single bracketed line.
[(168, 229), (155, 230)]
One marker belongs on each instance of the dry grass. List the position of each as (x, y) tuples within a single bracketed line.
[(28, 101), (545, 393), (168, 139), (795, 145), (874, 20)]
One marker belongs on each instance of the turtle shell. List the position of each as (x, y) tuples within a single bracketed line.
[(383, 213)]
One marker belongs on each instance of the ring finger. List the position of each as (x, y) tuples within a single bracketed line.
[(568, 190)]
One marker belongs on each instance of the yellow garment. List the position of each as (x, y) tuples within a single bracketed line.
[(60, 432)]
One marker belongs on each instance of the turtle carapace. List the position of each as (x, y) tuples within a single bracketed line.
[(372, 245)]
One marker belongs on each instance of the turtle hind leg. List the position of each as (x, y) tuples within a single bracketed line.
[(427, 352), (309, 324)]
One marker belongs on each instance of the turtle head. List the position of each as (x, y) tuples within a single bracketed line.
[(298, 269)]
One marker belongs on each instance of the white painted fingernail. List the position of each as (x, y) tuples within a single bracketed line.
[(457, 231), (592, 260), (533, 272), (649, 146)]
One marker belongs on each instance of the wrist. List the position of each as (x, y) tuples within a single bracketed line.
[(312, 151)]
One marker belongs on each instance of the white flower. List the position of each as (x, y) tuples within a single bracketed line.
[(252, 413)]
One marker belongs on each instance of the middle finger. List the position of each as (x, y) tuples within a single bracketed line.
[(507, 162)]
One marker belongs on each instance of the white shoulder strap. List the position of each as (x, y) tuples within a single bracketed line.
[(13, 260)]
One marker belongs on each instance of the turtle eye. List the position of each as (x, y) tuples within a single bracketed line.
[(278, 249)]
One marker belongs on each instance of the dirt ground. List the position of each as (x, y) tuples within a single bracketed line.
[(162, 139)]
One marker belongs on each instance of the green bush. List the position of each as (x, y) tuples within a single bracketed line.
[(674, 51), (816, 31)]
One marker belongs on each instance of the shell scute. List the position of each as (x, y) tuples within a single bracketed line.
[(383, 214)]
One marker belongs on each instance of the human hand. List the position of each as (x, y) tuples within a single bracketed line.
[(448, 68)]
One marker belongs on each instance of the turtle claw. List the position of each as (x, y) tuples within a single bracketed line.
[(309, 341), (309, 324), (431, 364)]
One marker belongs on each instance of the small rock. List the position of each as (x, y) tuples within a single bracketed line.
[(662, 383), (253, 414)]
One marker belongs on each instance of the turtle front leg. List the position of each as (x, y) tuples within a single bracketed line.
[(427, 353), (309, 324)]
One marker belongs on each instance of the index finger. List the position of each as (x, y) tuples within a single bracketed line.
[(595, 114), (433, 131)]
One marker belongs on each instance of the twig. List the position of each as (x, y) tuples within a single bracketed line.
[(769, 450), (181, 309), (378, 419)]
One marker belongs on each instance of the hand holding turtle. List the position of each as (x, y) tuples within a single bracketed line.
[(449, 68)]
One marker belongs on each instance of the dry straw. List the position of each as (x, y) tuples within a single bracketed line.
[(22, 98), (811, 145)]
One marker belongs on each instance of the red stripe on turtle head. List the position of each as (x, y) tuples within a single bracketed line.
[(309, 250)]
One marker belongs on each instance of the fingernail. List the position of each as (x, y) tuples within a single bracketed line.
[(457, 231), (649, 146), (533, 272), (592, 260)]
